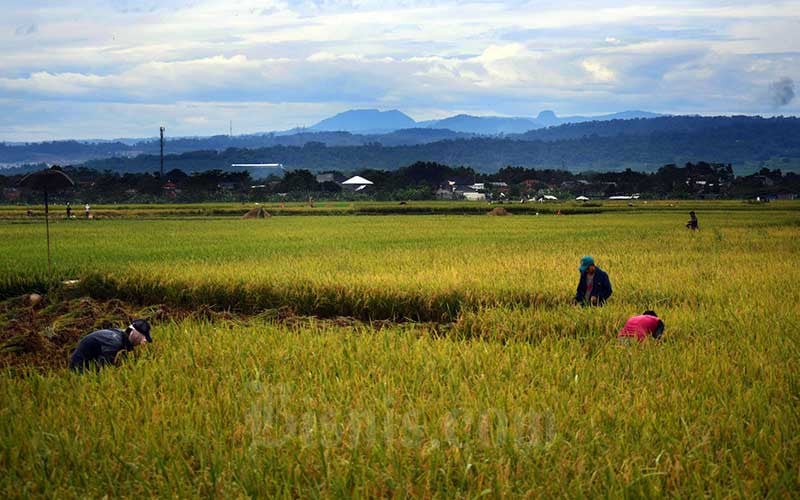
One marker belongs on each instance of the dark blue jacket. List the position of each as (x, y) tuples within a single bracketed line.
[(601, 287), (99, 349)]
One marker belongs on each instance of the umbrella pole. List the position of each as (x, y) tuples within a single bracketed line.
[(47, 225)]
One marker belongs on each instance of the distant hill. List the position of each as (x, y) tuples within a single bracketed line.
[(549, 118), (495, 125), (485, 125), (366, 121), (624, 115), (60, 151), (73, 152), (414, 136), (644, 145), (350, 128), (643, 126), (373, 121)]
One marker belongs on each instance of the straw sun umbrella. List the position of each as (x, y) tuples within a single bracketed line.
[(48, 180)]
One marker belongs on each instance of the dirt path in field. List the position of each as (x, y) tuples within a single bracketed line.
[(42, 336)]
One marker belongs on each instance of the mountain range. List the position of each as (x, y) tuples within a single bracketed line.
[(746, 142), (373, 121), (350, 128)]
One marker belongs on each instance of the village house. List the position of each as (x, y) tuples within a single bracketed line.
[(356, 183)]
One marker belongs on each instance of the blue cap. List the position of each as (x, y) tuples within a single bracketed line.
[(586, 261)]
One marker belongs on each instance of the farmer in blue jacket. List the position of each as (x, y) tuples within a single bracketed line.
[(594, 287), (100, 348)]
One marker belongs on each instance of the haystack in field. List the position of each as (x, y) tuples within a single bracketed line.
[(498, 211), (256, 213)]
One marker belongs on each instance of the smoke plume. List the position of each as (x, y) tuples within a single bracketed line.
[(782, 91)]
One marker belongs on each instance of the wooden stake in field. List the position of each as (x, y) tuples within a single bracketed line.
[(48, 180)]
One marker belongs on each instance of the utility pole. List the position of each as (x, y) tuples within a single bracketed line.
[(162, 151)]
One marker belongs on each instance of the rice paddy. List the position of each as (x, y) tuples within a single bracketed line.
[(390, 355)]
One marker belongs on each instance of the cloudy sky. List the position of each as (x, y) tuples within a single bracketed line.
[(122, 68)]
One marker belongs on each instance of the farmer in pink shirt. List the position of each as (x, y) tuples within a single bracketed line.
[(640, 327)]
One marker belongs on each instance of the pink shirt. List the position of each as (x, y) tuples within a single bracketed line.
[(641, 327)]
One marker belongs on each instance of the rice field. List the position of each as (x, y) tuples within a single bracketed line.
[(425, 355)]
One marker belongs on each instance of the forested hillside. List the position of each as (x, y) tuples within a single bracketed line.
[(748, 146)]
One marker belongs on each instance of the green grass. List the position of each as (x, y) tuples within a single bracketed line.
[(263, 408)]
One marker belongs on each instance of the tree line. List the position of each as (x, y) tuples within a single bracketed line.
[(417, 181)]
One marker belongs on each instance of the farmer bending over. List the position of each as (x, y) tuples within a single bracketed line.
[(594, 287), (692, 222), (101, 347), (640, 327)]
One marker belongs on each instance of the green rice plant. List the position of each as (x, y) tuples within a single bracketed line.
[(504, 389), (259, 410), (415, 267)]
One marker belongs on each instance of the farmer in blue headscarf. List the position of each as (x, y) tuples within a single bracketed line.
[(594, 287)]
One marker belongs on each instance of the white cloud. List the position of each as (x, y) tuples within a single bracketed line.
[(510, 57), (64, 119), (599, 71)]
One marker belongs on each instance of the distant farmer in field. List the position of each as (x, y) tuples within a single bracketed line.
[(86, 209), (594, 287), (647, 324), (692, 222), (101, 348), (69, 211)]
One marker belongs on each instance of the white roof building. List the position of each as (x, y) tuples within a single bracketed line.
[(357, 180), (474, 196), (357, 183)]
